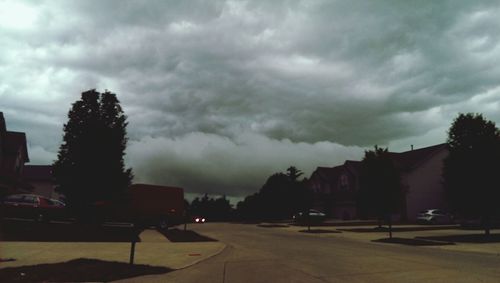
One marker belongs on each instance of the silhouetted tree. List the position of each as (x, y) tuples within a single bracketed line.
[(249, 208), (471, 168), (279, 198), (90, 164), (380, 185), (275, 196), (293, 173), (213, 209)]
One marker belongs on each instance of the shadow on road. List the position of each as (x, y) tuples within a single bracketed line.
[(319, 231), (176, 235), (399, 229), (78, 270), (470, 238), (26, 231), (339, 223), (272, 225), (412, 242)]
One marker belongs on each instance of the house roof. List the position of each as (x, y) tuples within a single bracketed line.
[(329, 174), (37, 172), (13, 142), (403, 160), (410, 159), (353, 166)]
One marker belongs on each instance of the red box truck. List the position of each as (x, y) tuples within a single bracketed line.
[(148, 205)]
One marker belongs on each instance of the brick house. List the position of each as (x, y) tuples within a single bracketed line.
[(335, 189), (13, 155)]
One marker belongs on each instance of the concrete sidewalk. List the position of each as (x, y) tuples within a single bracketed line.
[(154, 249)]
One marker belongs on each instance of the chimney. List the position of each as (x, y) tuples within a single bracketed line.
[(412, 147), (3, 128)]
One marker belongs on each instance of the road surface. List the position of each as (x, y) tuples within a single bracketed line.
[(257, 254)]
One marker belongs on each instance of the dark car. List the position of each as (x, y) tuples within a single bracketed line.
[(30, 206), (314, 216)]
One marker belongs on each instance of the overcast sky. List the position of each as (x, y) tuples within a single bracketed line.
[(221, 94)]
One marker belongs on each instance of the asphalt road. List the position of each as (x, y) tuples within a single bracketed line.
[(257, 254)]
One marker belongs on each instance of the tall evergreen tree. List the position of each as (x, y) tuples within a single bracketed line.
[(90, 165)]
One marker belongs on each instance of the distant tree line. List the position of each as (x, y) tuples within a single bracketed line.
[(280, 197), (213, 209)]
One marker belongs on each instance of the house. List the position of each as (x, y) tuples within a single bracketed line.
[(421, 177), (13, 155), (41, 180), (335, 189)]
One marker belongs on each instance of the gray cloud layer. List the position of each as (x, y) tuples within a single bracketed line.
[(220, 94)]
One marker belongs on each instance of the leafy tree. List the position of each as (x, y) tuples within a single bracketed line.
[(275, 196), (471, 168), (380, 185), (90, 164), (281, 196), (249, 209)]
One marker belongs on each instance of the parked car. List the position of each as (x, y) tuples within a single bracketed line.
[(314, 216), (435, 216), (199, 219), (30, 206)]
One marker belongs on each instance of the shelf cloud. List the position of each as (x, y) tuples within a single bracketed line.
[(221, 94)]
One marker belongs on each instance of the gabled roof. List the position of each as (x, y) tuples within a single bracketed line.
[(15, 141), (37, 173), (353, 166), (410, 159), (404, 161), (328, 174)]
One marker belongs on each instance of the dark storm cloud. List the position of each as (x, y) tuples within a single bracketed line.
[(209, 163), (304, 82)]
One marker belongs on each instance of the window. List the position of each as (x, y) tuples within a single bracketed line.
[(14, 198), (344, 182), (29, 199)]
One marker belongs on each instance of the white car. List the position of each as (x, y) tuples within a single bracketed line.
[(434, 216), (314, 216)]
